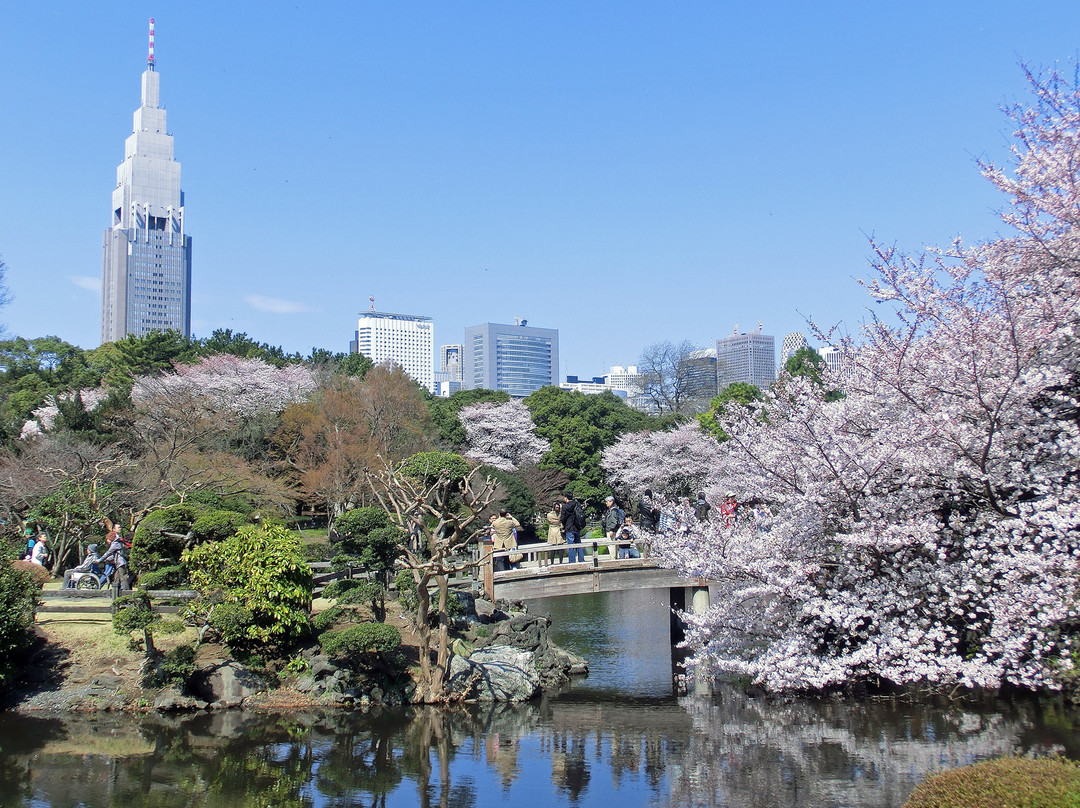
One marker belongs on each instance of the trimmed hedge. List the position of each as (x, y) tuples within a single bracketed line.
[(366, 638), (164, 578), (1003, 783)]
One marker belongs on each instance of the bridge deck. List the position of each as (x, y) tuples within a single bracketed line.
[(584, 577)]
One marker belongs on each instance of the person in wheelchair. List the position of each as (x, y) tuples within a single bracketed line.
[(92, 564)]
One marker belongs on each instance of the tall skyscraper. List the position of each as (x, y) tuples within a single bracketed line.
[(404, 339), (146, 262), (749, 358), (517, 359), (793, 343)]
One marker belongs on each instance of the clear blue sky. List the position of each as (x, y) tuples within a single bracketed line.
[(626, 172)]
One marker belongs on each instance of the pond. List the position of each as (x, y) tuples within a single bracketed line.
[(620, 737)]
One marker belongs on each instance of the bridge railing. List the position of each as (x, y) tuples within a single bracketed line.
[(540, 550)]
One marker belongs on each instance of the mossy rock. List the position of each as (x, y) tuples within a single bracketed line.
[(1003, 783)]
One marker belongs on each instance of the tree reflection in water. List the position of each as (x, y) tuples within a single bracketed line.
[(730, 750)]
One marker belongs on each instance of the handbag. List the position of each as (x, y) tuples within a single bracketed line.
[(514, 558)]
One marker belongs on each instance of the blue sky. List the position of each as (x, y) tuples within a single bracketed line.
[(625, 172)]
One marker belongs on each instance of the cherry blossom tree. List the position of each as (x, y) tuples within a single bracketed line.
[(926, 528), (244, 387), (679, 462), (502, 435)]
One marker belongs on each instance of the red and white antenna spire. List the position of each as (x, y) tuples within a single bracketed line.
[(150, 56)]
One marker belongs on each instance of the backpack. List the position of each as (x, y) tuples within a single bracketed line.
[(579, 516)]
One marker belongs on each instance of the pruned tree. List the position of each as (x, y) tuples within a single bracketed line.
[(436, 496)]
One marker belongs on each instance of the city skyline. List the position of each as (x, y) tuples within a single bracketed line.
[(645, 174)]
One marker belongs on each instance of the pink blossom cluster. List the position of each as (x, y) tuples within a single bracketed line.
[(502, 435), (41, 419), (926, 527), (242, 387)]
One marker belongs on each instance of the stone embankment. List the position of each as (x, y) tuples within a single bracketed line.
[(508, 658)]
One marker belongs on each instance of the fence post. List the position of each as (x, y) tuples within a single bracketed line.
[(487, 566)]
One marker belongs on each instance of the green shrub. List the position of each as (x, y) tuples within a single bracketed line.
[(159, 538), (175, 667), (133, 613), (263, 570), (360, 522), (173, 577), (1004, 783), (366, 638), (335, 589), (18, 599), (318, 551), (429, 466), (364, 592), (217, 526), (325, 619), (231, 621), (406, 589)]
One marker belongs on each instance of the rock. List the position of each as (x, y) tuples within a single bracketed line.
[(498, 673), (172, 700), (306, 684), (322, 666), (226, 685), (376, 694)]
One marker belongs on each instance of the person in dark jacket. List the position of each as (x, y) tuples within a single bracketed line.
[(572, 517)]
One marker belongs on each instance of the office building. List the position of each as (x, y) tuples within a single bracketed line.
[(837, 360), (146, 261), (403, 339), (517, 359), (700, 369), (793, 343), (748, 357), (449, 378)]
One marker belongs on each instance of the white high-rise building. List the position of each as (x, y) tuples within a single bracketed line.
[(404, 339), (837, 360), (748, 357), (146, 262)]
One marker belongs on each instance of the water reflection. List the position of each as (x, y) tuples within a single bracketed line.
[(729, 750), (625, 636)]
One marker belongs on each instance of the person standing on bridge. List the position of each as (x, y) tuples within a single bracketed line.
[(613, 519), (504, 537), (554, 534), (572, 517)]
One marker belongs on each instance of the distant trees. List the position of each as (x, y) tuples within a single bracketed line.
[(740, 393), (673, 381), (579, 428), (502, 435), (350, 427)]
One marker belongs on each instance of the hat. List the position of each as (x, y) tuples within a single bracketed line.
[(91, 548), (609, 498)]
